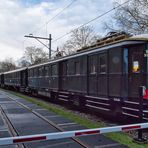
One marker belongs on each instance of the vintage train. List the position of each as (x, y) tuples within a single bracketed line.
[(104, 77)]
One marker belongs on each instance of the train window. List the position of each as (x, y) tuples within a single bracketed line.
[(125, 61), (84, 65), (40, 71), (35, 72), (54, 70), (46, 70), (49, 70), (31, 73), (65, 68), (28, 73), (102, 63), (17, 75), (115, 60), (93, 64), (77, 67)]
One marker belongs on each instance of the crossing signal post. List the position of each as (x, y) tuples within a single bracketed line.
[(42, 38)]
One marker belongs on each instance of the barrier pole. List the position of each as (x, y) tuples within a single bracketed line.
[(69, 134)]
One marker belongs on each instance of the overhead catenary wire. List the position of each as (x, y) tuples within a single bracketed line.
[(66, 7), (84, 23), (51, 19), (91, 20)]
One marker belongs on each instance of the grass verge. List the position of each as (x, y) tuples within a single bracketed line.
[(122, 138)]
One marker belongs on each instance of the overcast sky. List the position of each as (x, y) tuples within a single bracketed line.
[(21, 17)]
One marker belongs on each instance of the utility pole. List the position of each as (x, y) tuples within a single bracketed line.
[(50, 46), (39, 40)]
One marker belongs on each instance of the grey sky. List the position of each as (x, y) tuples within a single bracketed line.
[(21, 17)]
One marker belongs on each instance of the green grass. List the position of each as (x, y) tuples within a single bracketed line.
[(126, 140), (122, 138)]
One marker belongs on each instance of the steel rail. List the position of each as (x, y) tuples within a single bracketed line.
[(49, 122), (11, 128)]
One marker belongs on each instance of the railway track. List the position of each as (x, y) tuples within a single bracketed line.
[(10, 126), (13, 107), (14, 131)]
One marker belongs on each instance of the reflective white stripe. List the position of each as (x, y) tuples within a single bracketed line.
[(69, 134), (6, 141), (61, 135)]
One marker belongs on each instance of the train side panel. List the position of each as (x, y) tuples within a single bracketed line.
[(16, 79)]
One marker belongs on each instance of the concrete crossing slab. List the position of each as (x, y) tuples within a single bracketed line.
[(27, 123), (58, 119), (98, 141), (45, 112), (64, 143)]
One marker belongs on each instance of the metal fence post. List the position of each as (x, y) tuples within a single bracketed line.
[(140, 138)]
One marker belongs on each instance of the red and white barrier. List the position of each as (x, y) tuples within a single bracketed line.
[(69, 134)]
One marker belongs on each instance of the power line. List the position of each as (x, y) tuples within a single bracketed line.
[(91, 20), (61, 11), (55, 16)]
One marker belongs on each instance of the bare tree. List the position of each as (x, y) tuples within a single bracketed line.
[(131, 18), (80, 38), (23, 62), (35, 55), (7, 65)]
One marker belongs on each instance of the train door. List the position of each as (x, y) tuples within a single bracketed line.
[(136, 76), (124, 83), (23, 78), (102, 74), (92, 75), (63, 68), (2, 79)]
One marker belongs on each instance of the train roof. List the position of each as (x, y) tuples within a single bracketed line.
[(16, 70), (138, 39)]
